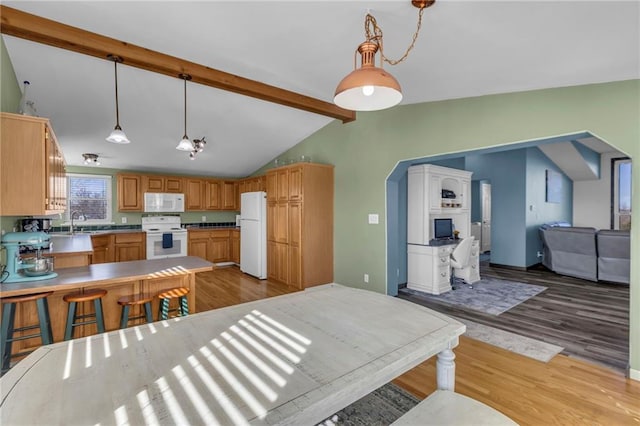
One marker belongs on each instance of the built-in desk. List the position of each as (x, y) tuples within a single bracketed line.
[(429, 267)]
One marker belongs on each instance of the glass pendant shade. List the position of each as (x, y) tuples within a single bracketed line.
[(118, 136), (368, 88), (185, 144)]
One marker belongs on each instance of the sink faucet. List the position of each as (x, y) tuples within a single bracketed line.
[(73, 213)]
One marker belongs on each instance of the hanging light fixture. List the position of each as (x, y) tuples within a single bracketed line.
[(371, 88), (185, 144), (117, 136), (91, 159)]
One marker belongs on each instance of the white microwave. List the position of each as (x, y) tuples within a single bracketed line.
[(158, 202)]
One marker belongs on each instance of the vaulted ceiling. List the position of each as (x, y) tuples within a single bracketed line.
[(466, 48)]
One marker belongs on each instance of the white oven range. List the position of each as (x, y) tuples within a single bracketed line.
[(165, 237)]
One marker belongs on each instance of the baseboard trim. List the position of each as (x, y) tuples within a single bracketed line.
[(634, 374), (515, 268)]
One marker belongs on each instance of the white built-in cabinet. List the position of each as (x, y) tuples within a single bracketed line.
[(425, 202), (436, 192)]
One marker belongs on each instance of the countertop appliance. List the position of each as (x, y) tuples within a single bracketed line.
[(165, 237), (34, 225), (18, 269), (253, 238), (158, 202)]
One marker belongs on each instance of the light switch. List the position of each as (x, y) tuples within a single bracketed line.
[(373, 219)]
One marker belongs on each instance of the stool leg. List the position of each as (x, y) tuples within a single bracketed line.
[(147, 312), (99, 316), (45, 322), (124, 316), (71, 319), (184, 306), (164, 309), (6, 335)]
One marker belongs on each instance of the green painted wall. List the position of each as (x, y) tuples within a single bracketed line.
[(366, 151), (10, 92)]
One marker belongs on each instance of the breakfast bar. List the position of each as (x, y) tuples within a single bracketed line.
[(119, 279), (289, 360)]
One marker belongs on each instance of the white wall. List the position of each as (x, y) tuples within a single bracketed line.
[(592, 198)]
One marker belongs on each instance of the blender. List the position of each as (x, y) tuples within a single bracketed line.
[(19, 269)]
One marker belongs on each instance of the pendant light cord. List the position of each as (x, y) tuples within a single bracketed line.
[(374, 34), (185, 107), (115, 60)]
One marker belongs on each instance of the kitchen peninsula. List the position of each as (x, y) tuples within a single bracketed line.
[(119, 279)]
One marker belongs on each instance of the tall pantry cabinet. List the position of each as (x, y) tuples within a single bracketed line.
[(300, 224)]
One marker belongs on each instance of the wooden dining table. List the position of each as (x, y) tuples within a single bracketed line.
[(294, 359)]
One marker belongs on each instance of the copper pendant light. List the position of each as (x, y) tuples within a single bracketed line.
[(371, 88)]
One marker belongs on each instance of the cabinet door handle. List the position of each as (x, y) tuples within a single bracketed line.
[(443, 274)]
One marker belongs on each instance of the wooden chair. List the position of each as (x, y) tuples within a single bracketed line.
[(134, 300), (166, 296), (95, 295), (8, 319)]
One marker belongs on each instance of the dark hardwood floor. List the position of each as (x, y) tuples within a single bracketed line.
[(590, 320)]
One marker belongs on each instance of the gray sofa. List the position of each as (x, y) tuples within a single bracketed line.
[(586, 252)]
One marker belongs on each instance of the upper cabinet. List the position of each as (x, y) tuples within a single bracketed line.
[(129, 192), (153, 183), (32, 167), (436, 192)]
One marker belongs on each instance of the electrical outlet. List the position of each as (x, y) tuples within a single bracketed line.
[(124, 220), (373, 219), (540, 254), (366, 278), (204, 218)]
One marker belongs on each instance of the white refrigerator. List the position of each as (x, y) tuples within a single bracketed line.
[(253, 234)]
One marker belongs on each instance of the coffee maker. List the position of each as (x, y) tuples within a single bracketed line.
[(19, 269)]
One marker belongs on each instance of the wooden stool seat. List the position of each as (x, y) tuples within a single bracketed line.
[(8, 320), (95, 295), (85, 296), (133, 300), (172, 293)]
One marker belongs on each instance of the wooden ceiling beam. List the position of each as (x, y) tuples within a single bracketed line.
[(41, 30)]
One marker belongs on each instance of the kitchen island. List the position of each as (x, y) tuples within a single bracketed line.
[(119, 279)]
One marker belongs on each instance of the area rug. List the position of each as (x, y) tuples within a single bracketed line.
[(489, 295), (381, 407), (526, 346)]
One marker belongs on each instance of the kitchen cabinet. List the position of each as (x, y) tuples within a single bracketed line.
[(195, 194), (437, 192), (102, 249), (229, 195), (129, 189), (129, 246), (212, 194), (212, 245), (300, 224), (32, 162), (153, 183), (254, 184), (235, 246)]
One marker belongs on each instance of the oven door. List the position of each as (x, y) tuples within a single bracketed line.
[(159, 248)]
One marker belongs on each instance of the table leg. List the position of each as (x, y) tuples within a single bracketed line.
[(446, 370)]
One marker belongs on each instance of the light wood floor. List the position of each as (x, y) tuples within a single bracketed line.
[(565, 391)]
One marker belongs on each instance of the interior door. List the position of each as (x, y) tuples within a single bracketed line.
[(485, 194)]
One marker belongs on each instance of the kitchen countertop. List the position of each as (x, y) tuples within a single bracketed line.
[(109, 273), (213, 228)]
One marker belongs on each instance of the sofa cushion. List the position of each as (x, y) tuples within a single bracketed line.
[(614, 255)]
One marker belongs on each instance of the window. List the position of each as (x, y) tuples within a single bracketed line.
[(90, 195), (621, 193)]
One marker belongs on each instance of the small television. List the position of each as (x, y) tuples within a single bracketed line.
[(442, 229)]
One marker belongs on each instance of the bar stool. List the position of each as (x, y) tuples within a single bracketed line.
[(8, 318), (167, 295), (95, 295), (133, 300)]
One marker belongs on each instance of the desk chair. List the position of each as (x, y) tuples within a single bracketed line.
[(460, 258)]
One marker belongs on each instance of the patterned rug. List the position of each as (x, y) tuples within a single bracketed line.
[(489, 295), (381, 407)]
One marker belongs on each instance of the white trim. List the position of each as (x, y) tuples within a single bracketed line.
[(109, 219), (634, 374)]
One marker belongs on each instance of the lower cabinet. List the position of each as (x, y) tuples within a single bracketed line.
[(235, 246), (119, 247), (215, 245), (429, 268), (278, 261)]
